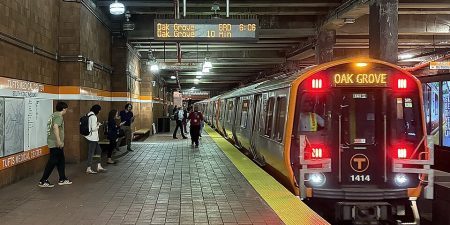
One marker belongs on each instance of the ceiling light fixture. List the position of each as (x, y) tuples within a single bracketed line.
[(173, 77), (205, 70), (117, 8), (349, 20), (198, 77), (405, 56)]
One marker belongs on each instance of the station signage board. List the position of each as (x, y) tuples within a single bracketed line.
[(360, 79), (440, 65), (206, 30)]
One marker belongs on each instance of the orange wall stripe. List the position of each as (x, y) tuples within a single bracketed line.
[(19, 158)]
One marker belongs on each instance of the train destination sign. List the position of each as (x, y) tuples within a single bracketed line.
[(360, 79), (206, 30)]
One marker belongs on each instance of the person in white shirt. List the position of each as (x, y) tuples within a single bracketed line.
[(309, 120), (179, 116), (93, 138)]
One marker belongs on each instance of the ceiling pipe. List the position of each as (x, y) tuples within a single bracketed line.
[(427, 63)]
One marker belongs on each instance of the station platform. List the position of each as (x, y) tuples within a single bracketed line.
[(163, 181)]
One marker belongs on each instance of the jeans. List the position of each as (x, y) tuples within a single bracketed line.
[(180, 125), (56, 159), (127, 131), (195, 133), (94, 149)]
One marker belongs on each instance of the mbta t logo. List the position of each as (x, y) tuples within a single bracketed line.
[(359, 163)]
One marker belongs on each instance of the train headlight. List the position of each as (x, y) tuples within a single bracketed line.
[(401, 179), (317, 179)]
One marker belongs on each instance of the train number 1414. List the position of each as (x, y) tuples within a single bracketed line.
[(360, 178)]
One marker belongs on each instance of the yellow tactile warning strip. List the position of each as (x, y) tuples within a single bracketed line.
[(286, 205)]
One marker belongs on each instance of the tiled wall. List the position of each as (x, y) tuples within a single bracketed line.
[(70, 29)]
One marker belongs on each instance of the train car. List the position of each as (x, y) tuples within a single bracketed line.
[(348, 134)]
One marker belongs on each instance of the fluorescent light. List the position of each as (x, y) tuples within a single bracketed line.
[(117, 8), (205, 70), (173, 77), (349, 20), (196, 81), (405, 56), (198, 77)]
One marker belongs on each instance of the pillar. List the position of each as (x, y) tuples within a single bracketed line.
[(324, 46), (383, 30)]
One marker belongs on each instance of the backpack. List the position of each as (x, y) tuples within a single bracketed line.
[(195, 119), (175, 115), (84, 125)]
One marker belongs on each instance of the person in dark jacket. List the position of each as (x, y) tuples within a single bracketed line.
[(113, 133), (195, 118)]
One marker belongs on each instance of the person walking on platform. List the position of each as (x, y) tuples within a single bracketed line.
[(93, 138), (185, 120), (179, 115), (195, 119), (55, 141), (127, 116), (113, 133)]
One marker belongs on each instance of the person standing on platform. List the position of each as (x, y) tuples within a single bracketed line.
[(127, 117), (185, 120), (55, 141), (93, 138), (179, 115), (113, 133), (195, 118)]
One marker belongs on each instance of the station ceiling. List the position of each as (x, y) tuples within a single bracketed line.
[(287, 36)]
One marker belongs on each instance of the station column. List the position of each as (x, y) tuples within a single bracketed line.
[(383, 30), (324, 46)]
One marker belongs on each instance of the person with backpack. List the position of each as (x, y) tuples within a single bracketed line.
[(195, 119), (55, 141), (127, 117), (112, 132), (93, 138), (178, 116)]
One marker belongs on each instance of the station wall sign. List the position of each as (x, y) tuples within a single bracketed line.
[(206, 30), (439, 65)]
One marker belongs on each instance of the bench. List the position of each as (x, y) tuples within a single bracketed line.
[(141, 132)]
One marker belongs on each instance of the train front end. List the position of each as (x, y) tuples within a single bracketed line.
[(359, 141)]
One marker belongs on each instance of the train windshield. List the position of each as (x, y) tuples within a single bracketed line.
[(358, 112)]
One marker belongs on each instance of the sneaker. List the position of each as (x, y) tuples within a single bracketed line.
[(175, 138), (111, 162), (90, 171), (45, 184), (130, 150), (102, 170), (64, 182)]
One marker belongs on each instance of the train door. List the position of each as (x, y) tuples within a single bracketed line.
[(362, 134), (257, 114)]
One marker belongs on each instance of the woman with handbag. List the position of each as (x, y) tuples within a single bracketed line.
[(113, 133)]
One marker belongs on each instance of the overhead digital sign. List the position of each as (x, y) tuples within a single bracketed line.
[(206, 30), (360, 79)]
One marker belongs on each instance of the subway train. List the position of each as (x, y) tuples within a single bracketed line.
[(348, 135)]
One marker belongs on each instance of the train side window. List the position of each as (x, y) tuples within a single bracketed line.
[(244, 115), (406, 117), (230, 111), (280, 116), (269, 116)]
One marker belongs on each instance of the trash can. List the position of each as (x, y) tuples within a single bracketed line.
[(163, 125)]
